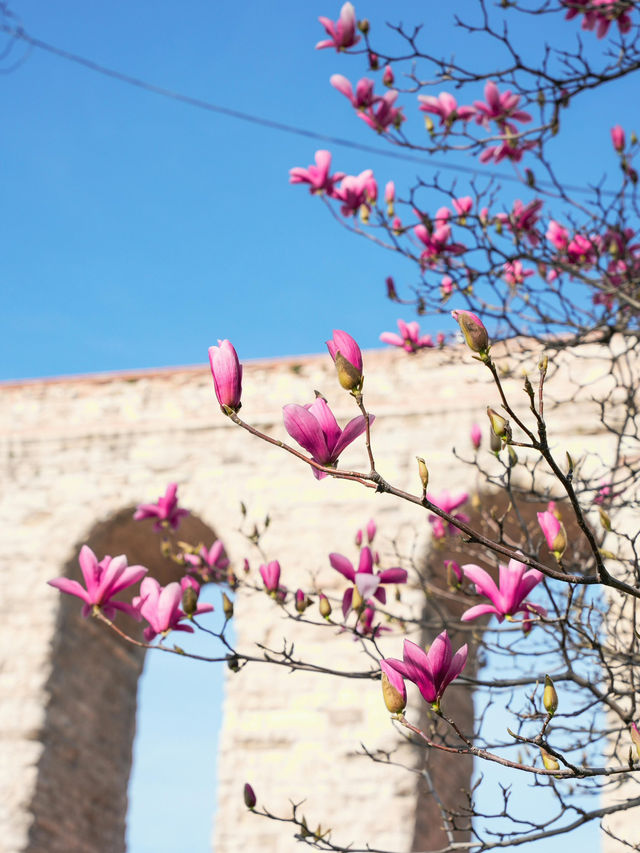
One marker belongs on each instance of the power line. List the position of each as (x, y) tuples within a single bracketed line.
[(19, 33)]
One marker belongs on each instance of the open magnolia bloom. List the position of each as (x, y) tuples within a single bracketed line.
[(431, 671), (366, 582), (507, 599), (315, 428)]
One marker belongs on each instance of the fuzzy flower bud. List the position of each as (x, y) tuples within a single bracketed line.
[(549, 697), (472, 327), (227, 606), (499, 425), (324, 605), (249, 796), (423, 473), (394, 691), (550, 763)]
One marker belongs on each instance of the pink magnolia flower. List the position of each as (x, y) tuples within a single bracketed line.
[(523, 219), (318, 177), (227, 375), (446, 287), (558, 235), (409, 338), (507, 599), (211, 563), (436, 242), (271, 576), (315, 428), (103, 580), (446, 107), (448, 503), (165, 510), (367, 584), (511, 148), (476, 436), (618, 138), (365, 627), (355, 191), (160, 607), (387, 76), (499, 107), (431, 671), (604, 493), (581, 250), (553, 530), (514, 273), (463, 205), (363, 96), (342, 33), (473, 329), (382, 114)]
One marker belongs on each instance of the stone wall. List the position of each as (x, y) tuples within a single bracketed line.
[(79, 452)]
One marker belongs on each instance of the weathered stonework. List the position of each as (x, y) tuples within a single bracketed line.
[(78, 453)]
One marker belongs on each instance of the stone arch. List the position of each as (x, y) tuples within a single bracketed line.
[(80, 798)]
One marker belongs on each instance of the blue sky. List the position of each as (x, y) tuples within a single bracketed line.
[(138, 230)]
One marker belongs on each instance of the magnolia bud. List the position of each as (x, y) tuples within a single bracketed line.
[(472, 327), (227, 606), (423, 473), (494, 442), (391, 288), (499, 425), (302, 602), (550, 763), (605, 521), (189, 600), (324, 605), (393, 698), (249, 796), (549, 697), (357, 601), (373, 61), (348, 375)]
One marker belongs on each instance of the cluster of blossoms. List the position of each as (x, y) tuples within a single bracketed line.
[(598, 15), (158, 606), (499, 107)]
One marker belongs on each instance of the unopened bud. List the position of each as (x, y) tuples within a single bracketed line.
[(324, 605), (494, 442), (189, 600), (391, 289), (423, 473), (357, 601), (373, 61), (165, 548), (550, 763), (348, 375), (472, 327), (513, 456), (363, 26), (543, 364), (499, 425), (249, 796), (633, 137), (302, 602), (428, 123), (393, 698), (227, 606), (233, 663), (549, 697), (605, 521)]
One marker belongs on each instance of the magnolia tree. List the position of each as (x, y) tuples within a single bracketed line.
[(546, 271)]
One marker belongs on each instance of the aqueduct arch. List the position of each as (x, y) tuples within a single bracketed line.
[(77, 450)]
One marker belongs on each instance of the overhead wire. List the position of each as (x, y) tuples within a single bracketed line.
[(18, 32)]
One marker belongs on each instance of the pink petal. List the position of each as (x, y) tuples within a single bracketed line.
[(305, 429), (352, 430), (71, 587), (481, 610), (342, 565), (484, 582)]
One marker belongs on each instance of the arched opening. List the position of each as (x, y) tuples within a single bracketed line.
[(80, 801)]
